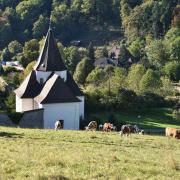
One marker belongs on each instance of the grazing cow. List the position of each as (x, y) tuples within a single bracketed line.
[(173, 132), (125, 129), (91, 126), (136, 128), (141, 132), (107, 127), (133, 129), (58, 125)]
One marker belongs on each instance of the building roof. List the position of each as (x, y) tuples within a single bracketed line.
[(56, 91), (114, 52), (50, 58), (103, 62), (29, 88), (73, 86)]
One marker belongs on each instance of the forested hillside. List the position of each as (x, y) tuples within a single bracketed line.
[(147, 33)]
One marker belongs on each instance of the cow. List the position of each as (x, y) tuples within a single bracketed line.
[(107, 127), (136, 129), (141, 132), (58, 125), (173, 132), (91, 126), (125, 129)]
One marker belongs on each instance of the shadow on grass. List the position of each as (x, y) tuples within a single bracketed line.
[(58, 177), (10, 135)]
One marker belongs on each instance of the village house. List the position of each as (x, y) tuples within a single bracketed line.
[(103, 62), (50, 87)]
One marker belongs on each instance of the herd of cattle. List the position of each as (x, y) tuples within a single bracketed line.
[(125, 129), (107, 127)]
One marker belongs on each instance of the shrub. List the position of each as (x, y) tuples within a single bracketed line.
[(15, 117), (151, 100), (176, 114), (126, 99)]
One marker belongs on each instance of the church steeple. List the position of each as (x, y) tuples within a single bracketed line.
[(50, 58)]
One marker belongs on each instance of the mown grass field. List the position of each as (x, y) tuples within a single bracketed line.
[(152, 118), (49, 154)]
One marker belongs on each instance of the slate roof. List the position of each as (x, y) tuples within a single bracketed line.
[(29, 88), (73, 86), (103, 62), (114, 52), (50, 58), (56, 91)]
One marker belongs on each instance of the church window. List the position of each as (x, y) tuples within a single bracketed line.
[(41, 80)]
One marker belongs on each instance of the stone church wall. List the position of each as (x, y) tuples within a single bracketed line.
[(32, 119), (5, 120)]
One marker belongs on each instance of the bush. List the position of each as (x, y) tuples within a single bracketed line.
[(15, 117), (151, 100), (10, 69), (126, 99), (112, 119), (10, 102), (176, 114)]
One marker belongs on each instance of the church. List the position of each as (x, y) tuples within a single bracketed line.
[(50, 87)]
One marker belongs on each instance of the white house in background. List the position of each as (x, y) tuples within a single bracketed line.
[(50, 86)]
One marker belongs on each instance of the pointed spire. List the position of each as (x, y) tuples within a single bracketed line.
[(50, 58), (50, 23)]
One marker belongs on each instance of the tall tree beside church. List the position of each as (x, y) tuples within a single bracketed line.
[(150, 82), (91, 53), (83, 68)]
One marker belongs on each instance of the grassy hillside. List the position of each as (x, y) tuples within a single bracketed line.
[(48, 154), (152, 118)]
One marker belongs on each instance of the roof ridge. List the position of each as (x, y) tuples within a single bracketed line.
[(44, 89), (50, 58), (56, 90), (26, 90)]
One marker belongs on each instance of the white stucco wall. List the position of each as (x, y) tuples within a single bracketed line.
[(41, 74), (18, 104), (45, 75), (24, 104), (81, 106), (36, 105), (62, 74), (69, 112)]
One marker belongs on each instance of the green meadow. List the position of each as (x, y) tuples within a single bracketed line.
[(152, 118), (48, 154)]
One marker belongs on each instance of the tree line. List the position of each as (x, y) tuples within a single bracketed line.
[(150, 34)]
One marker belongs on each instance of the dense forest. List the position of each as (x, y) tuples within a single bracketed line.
[(146, 31)]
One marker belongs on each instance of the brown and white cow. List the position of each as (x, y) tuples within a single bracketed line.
[(107, 127), (173, 132), (91, 126), (125, 129), (58, 125)]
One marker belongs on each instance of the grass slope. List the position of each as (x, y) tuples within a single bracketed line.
[(153, 118), (48, 154)]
